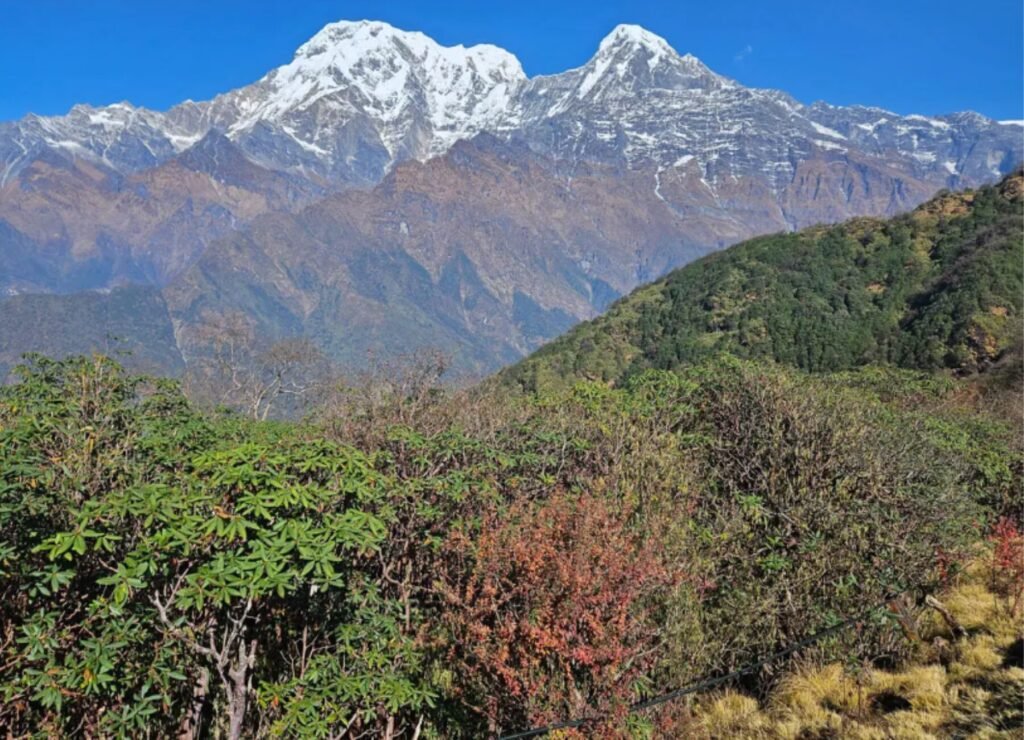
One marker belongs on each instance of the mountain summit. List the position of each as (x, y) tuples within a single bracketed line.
[(371, 92), (629, 48), (627, 42), (361, 96)]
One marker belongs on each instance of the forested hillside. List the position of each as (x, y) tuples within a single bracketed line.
[(130, 322), (940, 287)]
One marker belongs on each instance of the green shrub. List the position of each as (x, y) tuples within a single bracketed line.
[(168, 571)]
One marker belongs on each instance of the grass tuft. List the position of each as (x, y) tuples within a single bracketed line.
[(979, 695), (733, 715)]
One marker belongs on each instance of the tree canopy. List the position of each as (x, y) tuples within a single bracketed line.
[(938, 288)]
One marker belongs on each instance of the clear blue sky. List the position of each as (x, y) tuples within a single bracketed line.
[(911, 56)]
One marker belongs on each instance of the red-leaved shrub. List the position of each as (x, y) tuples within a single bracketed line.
[(1008, 562), (549, 619)]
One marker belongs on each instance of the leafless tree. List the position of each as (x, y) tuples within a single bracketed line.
[(256, 377)]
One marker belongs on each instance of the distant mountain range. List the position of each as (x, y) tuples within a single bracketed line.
[(382, 192)]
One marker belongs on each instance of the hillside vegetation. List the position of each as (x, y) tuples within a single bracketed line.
[(410, 561), (936, 288), (412, 564)]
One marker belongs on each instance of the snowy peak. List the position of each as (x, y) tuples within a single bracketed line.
[(362, 95), (346, 43), (631, 58), (379, 70), (381, 59), (627, 36)]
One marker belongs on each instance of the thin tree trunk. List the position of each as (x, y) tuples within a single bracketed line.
[(238, 690), (191, 724), (955, 627)]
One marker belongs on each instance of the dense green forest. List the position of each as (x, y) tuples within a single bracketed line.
[(936, 288), (415, 561)]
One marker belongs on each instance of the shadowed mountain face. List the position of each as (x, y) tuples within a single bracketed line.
[(485, 252), (382, 192)]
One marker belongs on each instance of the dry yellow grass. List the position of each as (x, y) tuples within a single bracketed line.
[(732, 715), (976, 691)]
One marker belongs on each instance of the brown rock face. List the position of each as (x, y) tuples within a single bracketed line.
[(85, 226), (491, 250)]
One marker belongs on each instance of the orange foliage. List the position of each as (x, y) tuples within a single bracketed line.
[(1008, 561), (551, 617)]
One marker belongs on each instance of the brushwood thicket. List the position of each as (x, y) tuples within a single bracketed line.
[(469, 565)]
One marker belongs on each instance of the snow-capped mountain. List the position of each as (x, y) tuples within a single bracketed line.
[(381, 192), (640, 103), (357, 97), (360, 97), (123, 137)]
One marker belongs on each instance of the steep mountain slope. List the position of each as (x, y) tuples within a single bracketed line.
[(130, 323), (485, 253), (940, 287), (70, 224)]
